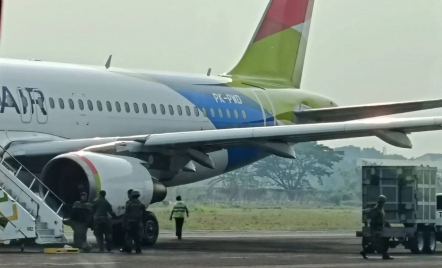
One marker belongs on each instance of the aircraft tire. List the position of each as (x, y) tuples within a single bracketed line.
[(150, 229)]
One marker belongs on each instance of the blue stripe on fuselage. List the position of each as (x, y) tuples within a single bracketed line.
[(201, 94)]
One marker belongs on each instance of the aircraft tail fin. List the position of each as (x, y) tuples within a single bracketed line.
[(277, 50)]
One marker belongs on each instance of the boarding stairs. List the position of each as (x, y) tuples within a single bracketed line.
[(24, 214)]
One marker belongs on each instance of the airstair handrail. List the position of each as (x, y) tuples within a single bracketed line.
[(62, 203), (30, 197)]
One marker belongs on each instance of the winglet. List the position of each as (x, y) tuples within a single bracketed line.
[(108, 63)]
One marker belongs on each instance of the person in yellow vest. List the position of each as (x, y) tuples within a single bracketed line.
[(178, 212)]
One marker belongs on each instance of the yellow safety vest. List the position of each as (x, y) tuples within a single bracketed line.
[(179, 209)]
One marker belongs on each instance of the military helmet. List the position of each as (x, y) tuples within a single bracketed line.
[(382, 199), (135, 194)]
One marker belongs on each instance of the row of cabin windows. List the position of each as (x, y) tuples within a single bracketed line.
[(136, 108)]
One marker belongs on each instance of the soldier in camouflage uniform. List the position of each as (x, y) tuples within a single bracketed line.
[(124, 247), (102, 223), (133, 222), (377, 224), (81, 218)]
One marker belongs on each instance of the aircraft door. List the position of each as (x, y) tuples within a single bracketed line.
[(40, 106), (24, 105), (81, 102), (266, 106)]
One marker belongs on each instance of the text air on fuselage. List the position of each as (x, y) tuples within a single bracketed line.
[(29, 97)]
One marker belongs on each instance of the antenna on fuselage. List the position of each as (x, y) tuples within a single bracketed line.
[(108, 62), (209, 71)]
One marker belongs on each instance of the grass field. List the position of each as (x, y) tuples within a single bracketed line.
[(227, 218)]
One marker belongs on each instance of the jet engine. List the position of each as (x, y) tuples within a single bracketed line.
[(68, 175)]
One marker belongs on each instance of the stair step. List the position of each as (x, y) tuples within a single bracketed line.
[(44, 232), (41, 225), (49, 239)]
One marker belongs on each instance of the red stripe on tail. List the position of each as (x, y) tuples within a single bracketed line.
[(282, 14)]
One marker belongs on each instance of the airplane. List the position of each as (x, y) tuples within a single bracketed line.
[(87, 128)]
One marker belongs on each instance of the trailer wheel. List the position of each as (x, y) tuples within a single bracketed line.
[(430, 242), (370, 249), (417, 243)]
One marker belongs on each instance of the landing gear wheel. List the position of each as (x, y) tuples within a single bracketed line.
[(370, 249), (118, 234), (430, 242), (417, 243), (150, 229)]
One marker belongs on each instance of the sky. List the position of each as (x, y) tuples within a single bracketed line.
[(359, 51)]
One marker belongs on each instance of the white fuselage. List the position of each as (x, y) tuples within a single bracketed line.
[(37, 100)]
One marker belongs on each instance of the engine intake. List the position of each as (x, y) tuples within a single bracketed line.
[(68, 175)]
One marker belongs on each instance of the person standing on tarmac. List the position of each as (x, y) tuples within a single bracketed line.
[(81, 218), (132, 222), (124, 248), (377, 224), (102, 224), (178, 213)]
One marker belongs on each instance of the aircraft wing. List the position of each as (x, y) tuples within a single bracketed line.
[(347, 113), (276, 139)]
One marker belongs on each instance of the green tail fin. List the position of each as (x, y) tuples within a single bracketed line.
[(276, 53)]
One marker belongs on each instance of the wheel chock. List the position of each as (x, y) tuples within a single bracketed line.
[(61, 250)]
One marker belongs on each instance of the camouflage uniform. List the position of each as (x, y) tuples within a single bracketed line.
[(377, 224), (102, 223), (133, 222), (80, 220)]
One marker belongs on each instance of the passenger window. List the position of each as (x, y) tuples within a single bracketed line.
[(163, 110), (228, 113), (197, 112), (145, 108), (180, 111), (71, 104), (99, 106), (188, 110), (171, 110), (236, 113), (109, 106), (51, 103), (89, 105), (204, 112), (126, 105), (220, 112), (80, 104), (61, 103), (244, 114), (117, 106), (212, 112), (136, 108), (154, 109)]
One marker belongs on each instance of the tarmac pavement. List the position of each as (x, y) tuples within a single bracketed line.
[(232, 249)]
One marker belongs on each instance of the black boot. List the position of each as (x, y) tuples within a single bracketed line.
[(363, 254), (387, 257)]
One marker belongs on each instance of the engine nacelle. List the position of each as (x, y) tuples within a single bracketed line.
[(68, 175)]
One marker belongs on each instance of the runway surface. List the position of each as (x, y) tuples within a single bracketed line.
[(232, 249)]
